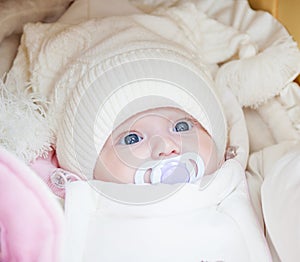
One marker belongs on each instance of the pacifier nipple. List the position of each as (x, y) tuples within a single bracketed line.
[(186, 168), (174, 172)]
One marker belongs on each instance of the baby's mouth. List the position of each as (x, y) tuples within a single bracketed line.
[(172, 172), (180, 169)]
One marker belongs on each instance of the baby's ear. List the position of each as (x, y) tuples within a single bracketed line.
[(231, 152)]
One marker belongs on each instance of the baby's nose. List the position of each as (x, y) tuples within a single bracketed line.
[(164, 146)]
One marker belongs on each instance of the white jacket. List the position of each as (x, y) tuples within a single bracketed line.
[(187, 222)]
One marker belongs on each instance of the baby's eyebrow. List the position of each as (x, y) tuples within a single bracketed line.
[(196, 122), (190, 118), (122, 129), (123, 132)]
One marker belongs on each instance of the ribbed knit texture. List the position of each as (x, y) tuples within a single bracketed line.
[(112, 90)]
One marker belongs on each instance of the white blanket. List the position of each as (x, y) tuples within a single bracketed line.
[(114, 222)]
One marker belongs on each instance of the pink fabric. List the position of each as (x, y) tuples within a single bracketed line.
[(31, 220), (44, 167)]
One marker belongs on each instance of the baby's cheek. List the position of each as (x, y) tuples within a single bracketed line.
[(113, 171), (190, 143), (211, 160)]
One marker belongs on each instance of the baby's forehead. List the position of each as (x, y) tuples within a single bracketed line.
[(170, 113)]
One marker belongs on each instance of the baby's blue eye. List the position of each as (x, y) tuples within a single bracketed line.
[(131, 139), (182, 126)]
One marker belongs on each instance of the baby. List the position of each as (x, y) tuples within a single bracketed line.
[(147, 131), (161, 136), (137, 117), (162, 124)]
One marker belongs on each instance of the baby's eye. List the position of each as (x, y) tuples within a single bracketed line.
[(130, 139), (182, 126)]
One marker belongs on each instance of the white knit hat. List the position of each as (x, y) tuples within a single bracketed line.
[(121, 86)]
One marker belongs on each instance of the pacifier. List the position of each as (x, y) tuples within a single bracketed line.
[(186, 168)]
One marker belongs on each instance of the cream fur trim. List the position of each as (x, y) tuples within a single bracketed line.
[(24, 125)]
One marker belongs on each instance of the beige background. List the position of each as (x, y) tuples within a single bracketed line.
[(286, 11)]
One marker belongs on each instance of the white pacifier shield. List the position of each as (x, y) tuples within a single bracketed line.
[(168, 169)]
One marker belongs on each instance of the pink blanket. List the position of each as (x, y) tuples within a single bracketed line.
[(31, 219)]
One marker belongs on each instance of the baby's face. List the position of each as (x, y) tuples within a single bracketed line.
[(153, 135)]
